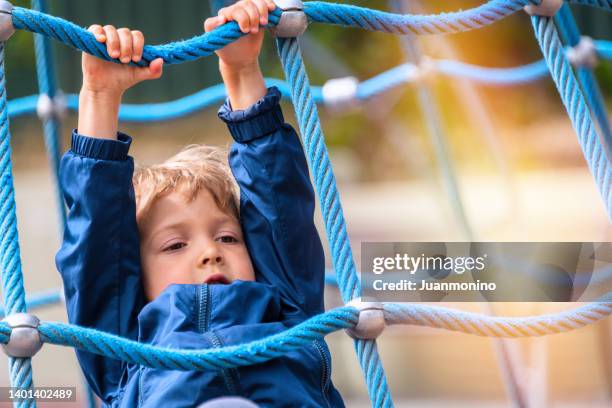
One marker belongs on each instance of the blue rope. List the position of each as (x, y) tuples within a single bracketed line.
[(171, 110), (316, 151), (47, 85), (255, 352), (403, 74), (187, 105), (575, 105), (495, 76), (493, 326), (40, 300), (5, 333), (205, 44), (444, 23), (375, 20), (570, 36), (20, 369), (172, 53), (22, 106), (44, 56), (317, 327), (398, 76), (604, 48)]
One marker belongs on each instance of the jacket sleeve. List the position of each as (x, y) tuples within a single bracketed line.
[(99, 259), (276, 202)]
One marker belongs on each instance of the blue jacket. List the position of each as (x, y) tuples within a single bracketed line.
[(100, 265)]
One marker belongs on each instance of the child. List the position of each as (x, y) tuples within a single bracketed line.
[(168, 256)]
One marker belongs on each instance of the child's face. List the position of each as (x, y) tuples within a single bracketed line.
[(191, 242)]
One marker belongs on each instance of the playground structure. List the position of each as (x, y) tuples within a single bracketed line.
[(594, 137)]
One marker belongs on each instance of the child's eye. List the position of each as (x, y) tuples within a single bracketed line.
[(227, 239), (175, 247)]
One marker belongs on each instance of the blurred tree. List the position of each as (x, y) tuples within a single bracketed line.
[(161, 21), (20, 62), (596, 24), (506, 43)]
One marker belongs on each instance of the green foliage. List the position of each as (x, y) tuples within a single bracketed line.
[(362, 54), (604, 77), (596, 24), (20, 62)]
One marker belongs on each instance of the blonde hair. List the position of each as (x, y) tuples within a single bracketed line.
[(192, 170)]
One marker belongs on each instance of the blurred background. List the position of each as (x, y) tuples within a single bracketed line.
[(529, 182)]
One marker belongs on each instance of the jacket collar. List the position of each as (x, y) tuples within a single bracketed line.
[(203, 307)]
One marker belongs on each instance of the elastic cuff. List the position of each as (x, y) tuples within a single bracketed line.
[(258, 120), (101, 149)]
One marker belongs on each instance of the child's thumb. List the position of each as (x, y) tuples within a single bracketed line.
[(153, 71)]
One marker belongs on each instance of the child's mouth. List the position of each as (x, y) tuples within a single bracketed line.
[(216, 278)]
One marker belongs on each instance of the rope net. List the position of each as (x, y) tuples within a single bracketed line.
[(593, 138)]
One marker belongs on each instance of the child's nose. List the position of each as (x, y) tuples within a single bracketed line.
[(211, 256), (212, 260)]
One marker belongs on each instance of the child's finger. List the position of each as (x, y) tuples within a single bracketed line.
[(271, 5), (224, 15), (253, 13), (262, 7), (211, 23), (125, 44), (242, 18), (137, 45), (98, 32), (112, 41)]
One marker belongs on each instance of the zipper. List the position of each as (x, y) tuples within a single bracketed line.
[(325, 368), (140, 400), (225, 372), (203, 300), (204, 310)]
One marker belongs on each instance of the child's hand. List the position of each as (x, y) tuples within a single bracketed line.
[(101, 76), (104, 82), (249, 14)]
